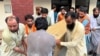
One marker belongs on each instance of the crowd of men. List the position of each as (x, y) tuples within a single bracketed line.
[(82, 37)]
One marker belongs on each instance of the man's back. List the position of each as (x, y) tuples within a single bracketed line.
[(40, 43)]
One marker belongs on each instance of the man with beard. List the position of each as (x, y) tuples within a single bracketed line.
[(74, 39), (38, 12), (13, 38), (95, 31), (84, 19), (30, 26)]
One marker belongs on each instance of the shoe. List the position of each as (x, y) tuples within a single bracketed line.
[(90, 52), (94, 54)]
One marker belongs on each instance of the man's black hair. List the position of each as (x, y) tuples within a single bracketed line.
[(54, 6), (72, 14), (95, 9), (44, 10), (29, 16), (72, 8), (16, 18), (41, 23), (83, 9), (62, 8)]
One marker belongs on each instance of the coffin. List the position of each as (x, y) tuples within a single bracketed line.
[(58, 29)]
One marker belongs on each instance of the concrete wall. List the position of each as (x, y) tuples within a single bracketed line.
[(73, 3), (92, 5), (3, 15)]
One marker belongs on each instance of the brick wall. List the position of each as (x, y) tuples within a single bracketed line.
[(22, 7)]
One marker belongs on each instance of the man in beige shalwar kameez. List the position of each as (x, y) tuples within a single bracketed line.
[(74, 39), (12, 38)]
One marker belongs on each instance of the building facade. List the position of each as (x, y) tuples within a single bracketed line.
[(22, 7)]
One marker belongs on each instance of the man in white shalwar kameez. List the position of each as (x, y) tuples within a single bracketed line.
[(95, 31), (53, 15)]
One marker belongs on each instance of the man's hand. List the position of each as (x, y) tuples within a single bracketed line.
[(58, 42), (93, 29), (17, 49)]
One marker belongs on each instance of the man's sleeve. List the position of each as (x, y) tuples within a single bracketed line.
[(53, 41), (7, 40), (97, 28), (24, 35)]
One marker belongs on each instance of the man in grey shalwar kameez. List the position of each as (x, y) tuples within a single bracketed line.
[(40, 43), (95, 31)]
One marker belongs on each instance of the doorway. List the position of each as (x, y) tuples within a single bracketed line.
[(66, 3), (84, 3)]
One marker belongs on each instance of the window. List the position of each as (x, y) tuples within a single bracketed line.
[(66, 3), (84, 3), (7, 8), (1, 0), (98, 4)]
